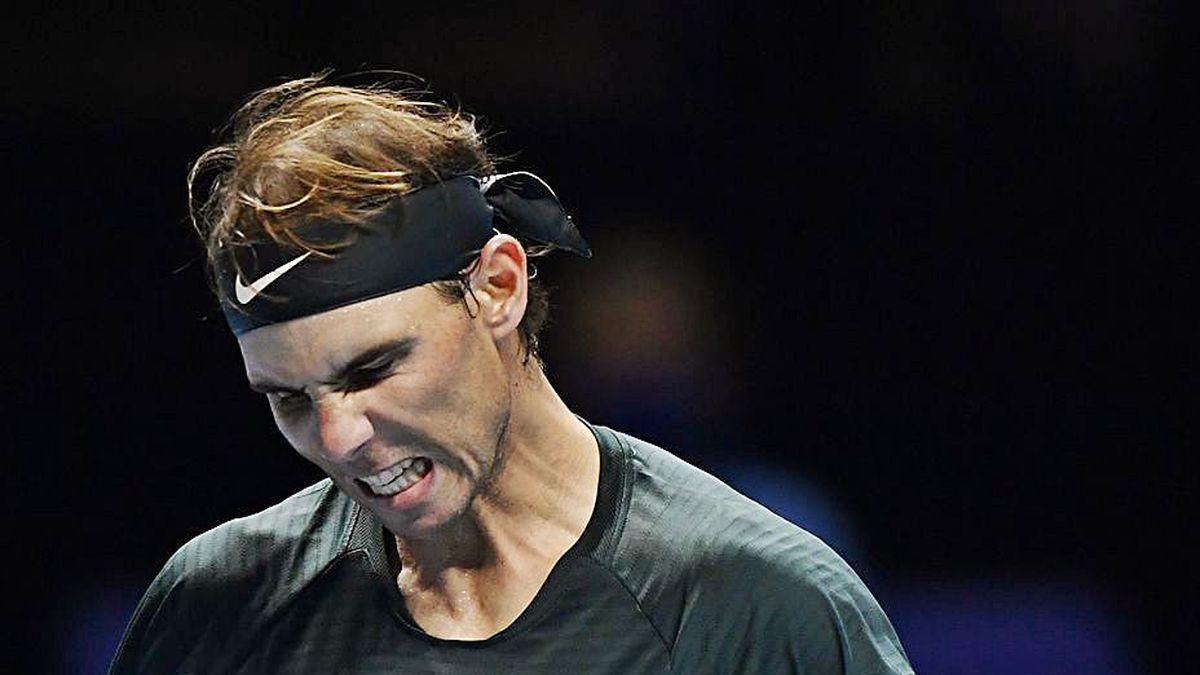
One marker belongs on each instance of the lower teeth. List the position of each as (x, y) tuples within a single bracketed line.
[(411, 475)]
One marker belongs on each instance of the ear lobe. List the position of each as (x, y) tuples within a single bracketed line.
[(501, 276)]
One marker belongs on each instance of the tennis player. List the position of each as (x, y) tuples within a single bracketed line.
[(374, 268)]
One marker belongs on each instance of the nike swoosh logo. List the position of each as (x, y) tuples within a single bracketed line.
[(245, 293)]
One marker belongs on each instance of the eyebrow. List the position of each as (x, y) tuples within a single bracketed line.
[(391, 349)]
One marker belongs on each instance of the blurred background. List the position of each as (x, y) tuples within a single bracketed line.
[(911, 274)]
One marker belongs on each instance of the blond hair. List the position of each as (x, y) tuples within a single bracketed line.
[(307, 150)]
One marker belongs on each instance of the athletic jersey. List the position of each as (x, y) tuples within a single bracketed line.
[(674, 572)]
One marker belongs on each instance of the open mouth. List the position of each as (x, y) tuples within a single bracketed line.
[(396, 478)]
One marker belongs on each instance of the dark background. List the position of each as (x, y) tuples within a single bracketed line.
[(913, 273)]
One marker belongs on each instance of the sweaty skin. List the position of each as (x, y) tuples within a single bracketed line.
[(514, 475)]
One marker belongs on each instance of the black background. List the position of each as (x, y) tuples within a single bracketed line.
[(942, 254)]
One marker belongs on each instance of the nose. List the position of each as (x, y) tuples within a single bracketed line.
[(342, 427)]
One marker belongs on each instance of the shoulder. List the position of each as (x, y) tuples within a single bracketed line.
[(702, 527), (689, 509), (304, 526), (226, 581), (728, 579)]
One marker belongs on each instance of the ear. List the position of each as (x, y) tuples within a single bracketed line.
[(501, 283)]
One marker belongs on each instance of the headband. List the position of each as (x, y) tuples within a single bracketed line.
[(427, 235)]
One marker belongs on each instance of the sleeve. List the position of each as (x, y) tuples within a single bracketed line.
[(202, 612), (176, 628), (796, 607), (840, 628), (150, 637)]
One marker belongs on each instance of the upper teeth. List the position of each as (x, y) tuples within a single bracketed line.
[(389, 474)]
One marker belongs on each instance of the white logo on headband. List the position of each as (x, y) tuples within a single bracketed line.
[(487, 182), (245, 293)]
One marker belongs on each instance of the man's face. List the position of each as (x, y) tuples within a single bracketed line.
[(406, 377)]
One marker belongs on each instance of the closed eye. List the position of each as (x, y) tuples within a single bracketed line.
[(370, 367), (364, 380), (365, 377), (288, 399), (358, 380)]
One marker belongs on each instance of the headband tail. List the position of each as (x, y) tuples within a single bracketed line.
[(529, 208)]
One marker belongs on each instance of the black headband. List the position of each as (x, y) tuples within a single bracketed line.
[(427, 235)]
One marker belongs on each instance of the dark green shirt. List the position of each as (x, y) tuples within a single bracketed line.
[(675, 572)]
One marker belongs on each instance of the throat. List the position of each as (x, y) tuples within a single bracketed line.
[(465, 604), (472, 584)]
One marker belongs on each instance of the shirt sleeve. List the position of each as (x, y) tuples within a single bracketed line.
[(792, 607), (179, 626), (153, 640), (845, 616)]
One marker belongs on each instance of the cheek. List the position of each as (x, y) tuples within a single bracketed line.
[(449, 377), (456, 400)]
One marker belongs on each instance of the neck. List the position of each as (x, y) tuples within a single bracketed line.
[(483, 565)]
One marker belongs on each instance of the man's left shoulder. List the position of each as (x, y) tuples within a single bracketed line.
[(769, 593), (681, 510), (736, 583)]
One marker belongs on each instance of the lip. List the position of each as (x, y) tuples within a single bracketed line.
[(407, 499)]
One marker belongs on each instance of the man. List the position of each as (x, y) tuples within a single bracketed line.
[(375, 271)]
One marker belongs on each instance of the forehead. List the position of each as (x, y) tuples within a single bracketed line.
[(313, 343)]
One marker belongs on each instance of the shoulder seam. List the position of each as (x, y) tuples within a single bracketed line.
[(668, 647), (625, 465), (349, 533), (626, 468), (343, 544)]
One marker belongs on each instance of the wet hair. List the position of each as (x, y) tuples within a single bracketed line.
[(309, 150)]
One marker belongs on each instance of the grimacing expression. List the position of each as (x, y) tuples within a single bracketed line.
[(361, 388)]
